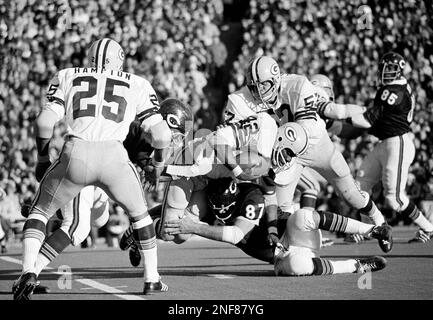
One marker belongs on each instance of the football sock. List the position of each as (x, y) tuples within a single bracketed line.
[(345, 266), (308, 200), (51, 248), (144, 235), (373, 212), (322, 267), (33, 236), (335, 223), (417, 217)]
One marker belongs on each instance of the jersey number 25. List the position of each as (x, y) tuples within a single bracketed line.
[(109, 96)]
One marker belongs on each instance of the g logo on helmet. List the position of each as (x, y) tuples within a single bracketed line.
[(275, 69), (121, 54), (291, 134), (402, 64), (173, 121)]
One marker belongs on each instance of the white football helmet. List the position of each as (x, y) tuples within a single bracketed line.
[(263, 80), (291, 142), (325, 83), (106, 53)]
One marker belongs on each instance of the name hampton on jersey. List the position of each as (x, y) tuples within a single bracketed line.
[(100, 104)]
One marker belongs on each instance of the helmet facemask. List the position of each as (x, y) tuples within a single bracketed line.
[(389, 72), (282, 159), (266, 92)]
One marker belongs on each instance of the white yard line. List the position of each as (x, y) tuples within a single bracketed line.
[(88, 282)]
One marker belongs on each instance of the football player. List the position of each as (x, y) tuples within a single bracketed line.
[(233, 213), (238, 150), (293, 98), (389, 120), (310, 181), (91, 204), (99, 102), (298, 254)]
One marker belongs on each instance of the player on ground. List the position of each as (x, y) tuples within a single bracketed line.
[(389, 120), (99, 103), (238, 150), (298, 254), (293, 97)]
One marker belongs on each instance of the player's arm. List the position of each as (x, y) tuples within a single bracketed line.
[(153, 123), (52, 112), (230, 234), (368, 118), (337, 111), (305, 109)]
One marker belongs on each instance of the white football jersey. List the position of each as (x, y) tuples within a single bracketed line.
[(100, 104), (257, 132)]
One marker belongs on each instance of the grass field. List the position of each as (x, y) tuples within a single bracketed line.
[(206, 270)]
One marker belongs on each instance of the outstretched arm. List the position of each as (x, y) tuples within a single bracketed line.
[(230, 234)]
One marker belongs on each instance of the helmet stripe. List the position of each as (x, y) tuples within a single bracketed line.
[(97, 53), (105, 53), (255, 68)]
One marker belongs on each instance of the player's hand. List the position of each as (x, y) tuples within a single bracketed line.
[(273, 239), (152, 174), (185, 225), (41, 168)]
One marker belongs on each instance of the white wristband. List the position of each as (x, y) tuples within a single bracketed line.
[(237, 171)]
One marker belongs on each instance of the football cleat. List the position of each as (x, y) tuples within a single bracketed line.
[(126, 240), (155, 287), (370, 264), (41, 289), (383, 234), (422, 236), (134, 255), (23, 287)]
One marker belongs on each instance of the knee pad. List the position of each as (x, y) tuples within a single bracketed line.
[(302, 220), (294, 265)]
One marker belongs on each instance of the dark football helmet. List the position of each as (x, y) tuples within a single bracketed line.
[(391, 67), (179, 118), (222, 195)]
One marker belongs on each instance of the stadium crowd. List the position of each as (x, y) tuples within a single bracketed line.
[(176, 45)]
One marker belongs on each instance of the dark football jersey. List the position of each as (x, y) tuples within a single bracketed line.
[(250, 204), (138, 144), (392, 111)]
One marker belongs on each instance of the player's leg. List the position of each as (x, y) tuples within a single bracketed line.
[(303, 240), (120, 180), (399, 154), (127, 241), (304, 220), (286, 185), (369, 175), (60, 184), (177, 197), (335, 169), (309, 187)]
